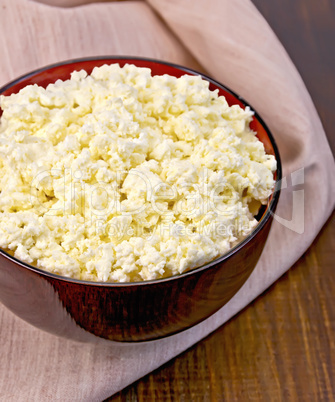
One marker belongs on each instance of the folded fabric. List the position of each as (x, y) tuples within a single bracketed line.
[(234, 44)]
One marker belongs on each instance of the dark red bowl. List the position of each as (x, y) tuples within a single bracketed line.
[(141, 311)]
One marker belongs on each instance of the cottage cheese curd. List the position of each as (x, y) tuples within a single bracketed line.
[(123, 176)]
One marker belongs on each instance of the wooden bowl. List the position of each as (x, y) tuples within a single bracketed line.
[(141, 311)]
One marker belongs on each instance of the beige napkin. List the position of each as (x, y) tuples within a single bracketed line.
[(230, 40)]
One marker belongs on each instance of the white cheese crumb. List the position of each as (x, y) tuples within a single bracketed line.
[(123, 176)]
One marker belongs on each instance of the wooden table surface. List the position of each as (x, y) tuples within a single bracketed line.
[(282, 346)]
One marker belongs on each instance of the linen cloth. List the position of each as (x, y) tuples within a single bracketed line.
[(234, 44)]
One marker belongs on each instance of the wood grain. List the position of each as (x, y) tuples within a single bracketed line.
[(307, 30), (281, 347)]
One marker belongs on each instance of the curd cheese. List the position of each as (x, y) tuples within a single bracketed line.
[(123, 176)]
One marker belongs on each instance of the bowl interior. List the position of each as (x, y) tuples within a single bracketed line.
[(62, 71), (50, 74)]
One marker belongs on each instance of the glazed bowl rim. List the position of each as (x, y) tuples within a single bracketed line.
[(270, 207)]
